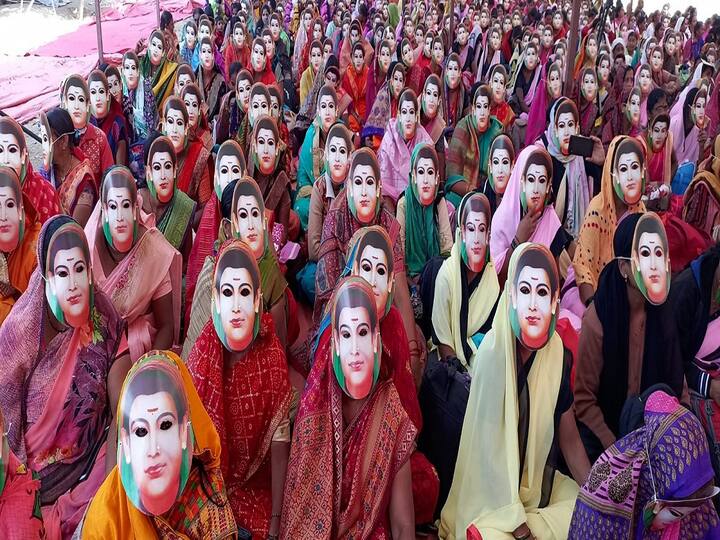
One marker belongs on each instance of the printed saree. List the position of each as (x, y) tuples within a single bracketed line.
[(203, 246), (193, 174), (667, 456), (55, 400), (20, 517), (78, 180), (94, 144), (150, 266), (247, 401), (394, 158), (201, 511), (340, 476), (40, 193), (162, 81), (467, 156)]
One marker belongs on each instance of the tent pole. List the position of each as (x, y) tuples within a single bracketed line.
[(98, 25), (572, 48)]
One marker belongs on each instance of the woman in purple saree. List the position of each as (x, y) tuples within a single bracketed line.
[(60, 386)]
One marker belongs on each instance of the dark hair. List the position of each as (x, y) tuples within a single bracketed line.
[(112, 71), (243, 75), (353, 296), (190, 24), (247, 187), (481, 90), (8, 126), (327, 90), (176, 104), (376, 239), (186, 69), (315, 45), (78, 82), (395, 66), (542, 158), (231, 148), (408, 94), (97, 76), (366, 157), (338, 129), (537, 257), (9, 178), (157, 34), (207, 41), (260, 89), (499, 68), (259, 41), (502, 142), (66, 240), (266, 32), (427, 151), (658, 118), (626, 146), (227, 199), (157, 142), (61, 123), (266, 122), (358, 47), (655, 95), (275, 91), (234, 70), (477, 202), (146, 382), (130, 55), (118, 176), (193, 90), (234, 257), (166, 19), (650, 225), (204, 21), (566, 106)]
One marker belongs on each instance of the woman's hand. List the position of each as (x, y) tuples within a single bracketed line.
[(527, 226), (598, 152)]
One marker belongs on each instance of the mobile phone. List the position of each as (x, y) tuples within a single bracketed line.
[(581, 146)]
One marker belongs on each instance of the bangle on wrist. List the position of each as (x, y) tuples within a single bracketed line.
[(514, 242)]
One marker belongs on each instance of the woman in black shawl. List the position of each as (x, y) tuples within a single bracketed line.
[(629, 340)]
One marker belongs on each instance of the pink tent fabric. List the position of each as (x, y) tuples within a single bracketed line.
[(31, 83)]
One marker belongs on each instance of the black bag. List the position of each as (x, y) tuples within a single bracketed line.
[(632, 415), (443, 399)]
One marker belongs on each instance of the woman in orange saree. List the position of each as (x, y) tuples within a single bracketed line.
[(200, 510), (349, 471), (18, 236), (354, 82), (135, 266), (40, 193), (199, 129), (239, 369), (58, 388)]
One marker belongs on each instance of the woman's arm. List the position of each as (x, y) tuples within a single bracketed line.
[(162, 309), (121, 153), (279, 454), (84, 207), (279, 316), (402, 511), (402, 301), (572, 447), (115, 380)]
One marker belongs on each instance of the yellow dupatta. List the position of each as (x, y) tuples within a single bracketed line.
[(485, 490), (448, 299)]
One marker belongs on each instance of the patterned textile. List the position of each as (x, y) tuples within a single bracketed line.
[(176, 221), (192, 516), (30, 374), (193, 174), (200, 513), (247, 400), (113, 125), (340, 475), (595, 240), (94, 144), (78, 180), (355, 84), (212, 90), (163, 78), (20, 517), (383, 109), (338, 229), (203, 246), (468, 155), (40, 193), (671, 451), (394, 157)]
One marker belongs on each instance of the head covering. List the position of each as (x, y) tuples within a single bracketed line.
[(509, 213), (421, 229), (494, 407), (652, 460), (595, 248), (661, 356), (111, 510), (578, 185)]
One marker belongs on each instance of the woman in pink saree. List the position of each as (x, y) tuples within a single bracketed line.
[(135, 266), (59, 387)]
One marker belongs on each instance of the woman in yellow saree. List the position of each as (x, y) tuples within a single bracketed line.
[(519, 411)]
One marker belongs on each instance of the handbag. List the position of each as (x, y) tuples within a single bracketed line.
[(443, 397)]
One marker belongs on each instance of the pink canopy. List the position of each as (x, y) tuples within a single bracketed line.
[(31, 83)]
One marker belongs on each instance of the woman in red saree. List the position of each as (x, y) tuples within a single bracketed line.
[(58, 388), (499, 107), (260, 67), (229, 166), (349, 471), (135, 266), (75, 98), (66, 166), (240, 372), (454, 91), (355, 84), (236, 48), (661, 163), (108, 115), (349, 44), (377, 73), (13, 149), (17, 241), (193, 177)]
